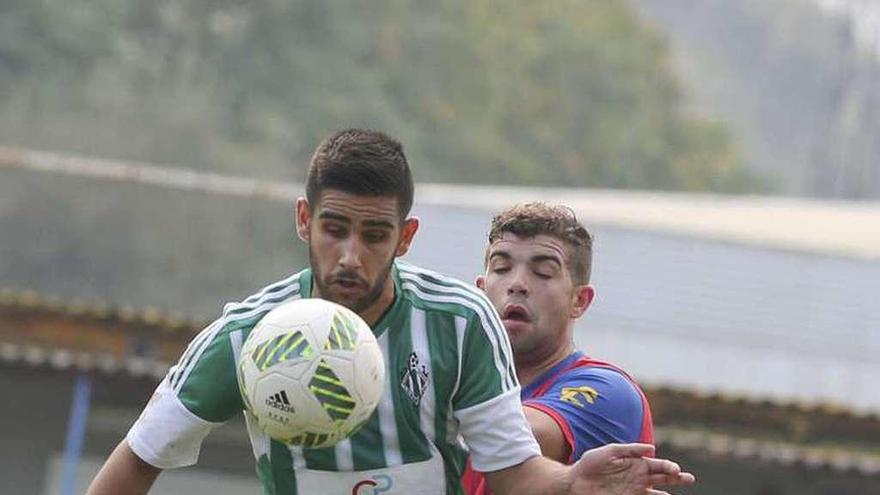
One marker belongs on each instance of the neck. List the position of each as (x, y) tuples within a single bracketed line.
[(529, 368), (372, 314)]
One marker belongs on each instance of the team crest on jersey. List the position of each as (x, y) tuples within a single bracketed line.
[(573, 395), (414, 379)]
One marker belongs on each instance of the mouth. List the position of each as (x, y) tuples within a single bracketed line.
[(346, 284), (515, 312)]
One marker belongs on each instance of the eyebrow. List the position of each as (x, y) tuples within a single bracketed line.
[(330, 215), (499, 254), (546, 257), (378, 223), (538, 258)]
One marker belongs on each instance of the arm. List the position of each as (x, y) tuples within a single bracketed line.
[(610, 470), (536, 475), (548, 434), (124, 472), (587, 408), (183, 410)]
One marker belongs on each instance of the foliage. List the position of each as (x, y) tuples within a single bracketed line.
[(491, 91), (795, 84)]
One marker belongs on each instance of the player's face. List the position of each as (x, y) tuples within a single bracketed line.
[(528, 281), (353, 241)]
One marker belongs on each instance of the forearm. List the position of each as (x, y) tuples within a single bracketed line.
[(123, 473), (538, 475)]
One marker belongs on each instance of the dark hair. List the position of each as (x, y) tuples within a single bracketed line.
[(361, 162), (533, 219)]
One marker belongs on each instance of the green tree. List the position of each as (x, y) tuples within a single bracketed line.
[(488, 91)]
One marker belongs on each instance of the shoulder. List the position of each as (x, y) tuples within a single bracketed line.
[(613, 389), (266, 298), (435, 292), (594, 391), (597, 405), (210, 346)]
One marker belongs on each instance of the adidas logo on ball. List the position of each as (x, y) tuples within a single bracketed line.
[(279, 401)]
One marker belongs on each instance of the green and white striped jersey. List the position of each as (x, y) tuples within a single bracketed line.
[(449, 376)]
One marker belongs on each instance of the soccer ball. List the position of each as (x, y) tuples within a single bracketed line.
[(311, 373)]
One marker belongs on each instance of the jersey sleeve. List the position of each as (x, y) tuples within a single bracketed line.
[(487, 402), (593, 407), (199, 393)]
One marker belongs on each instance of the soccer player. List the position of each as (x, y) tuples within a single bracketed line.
[(449, 366), (538, 265)]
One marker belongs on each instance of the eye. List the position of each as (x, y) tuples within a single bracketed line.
[(500, 269), (375, 237), (544, 276), (335, 230)]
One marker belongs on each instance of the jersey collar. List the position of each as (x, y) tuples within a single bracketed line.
[(528, 391), (392, 316)]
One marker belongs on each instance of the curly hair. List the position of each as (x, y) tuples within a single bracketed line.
[(533, 219)]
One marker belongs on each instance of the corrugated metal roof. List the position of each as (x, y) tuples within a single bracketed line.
[(810, 434), (693, 291), (845, 228), (709, 315)]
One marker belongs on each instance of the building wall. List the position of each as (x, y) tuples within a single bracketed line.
[(35, 412)]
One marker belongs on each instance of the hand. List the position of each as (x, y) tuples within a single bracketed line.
[(617, 469)]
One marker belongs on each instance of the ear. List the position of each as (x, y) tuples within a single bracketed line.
[(303, 219), (582, 297), (410, 226), (481, 282)]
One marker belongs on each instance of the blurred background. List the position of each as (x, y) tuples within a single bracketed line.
[(725, 154)]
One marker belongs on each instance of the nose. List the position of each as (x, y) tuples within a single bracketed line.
[(517, 285), (351, 254)]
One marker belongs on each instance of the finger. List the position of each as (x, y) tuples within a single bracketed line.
[(662, 466), (670, 479), (630, 449)]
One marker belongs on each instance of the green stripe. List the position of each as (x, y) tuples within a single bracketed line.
[(496, 328), (368, 447), (480, 370), (337, 413), (257, 356), (473, 295), (191, 349), (309, 440), (342, 398), (283, 475), (444, 363), (299, 348), (247, 307), (325, 386), (412, 441), (281, 348), (343, 333), (320, 459), (264, 473), (480, 380), (332, 380), (265, 352), (211, 389), (282, 340)]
